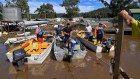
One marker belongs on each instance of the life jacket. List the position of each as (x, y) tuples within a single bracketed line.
[(100, 30), (40, 31)]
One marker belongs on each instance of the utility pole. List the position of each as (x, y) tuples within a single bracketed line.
[(119, 39)]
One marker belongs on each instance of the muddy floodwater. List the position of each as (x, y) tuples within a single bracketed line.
[(88, 68)]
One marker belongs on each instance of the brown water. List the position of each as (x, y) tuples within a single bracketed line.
[(78, 69)]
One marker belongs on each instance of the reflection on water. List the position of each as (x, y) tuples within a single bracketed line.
[(133, 47), (78, 69)]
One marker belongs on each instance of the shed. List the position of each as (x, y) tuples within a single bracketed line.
[(135, 13)]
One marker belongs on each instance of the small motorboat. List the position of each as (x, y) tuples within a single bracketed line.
[(91, 43), (31, 51), (61, 52)]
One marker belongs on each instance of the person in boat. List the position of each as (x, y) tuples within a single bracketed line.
[(39, 33), (131, 22), (67, 32), (88, 30), (99, 32), (58, 30)]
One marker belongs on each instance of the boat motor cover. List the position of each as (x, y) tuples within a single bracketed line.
[(19, 55)]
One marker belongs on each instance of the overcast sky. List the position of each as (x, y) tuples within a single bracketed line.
[(84, 5)]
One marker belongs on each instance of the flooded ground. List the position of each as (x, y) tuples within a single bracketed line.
[(79, 69)]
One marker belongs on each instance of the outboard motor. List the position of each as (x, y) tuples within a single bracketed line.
[(19, 57)]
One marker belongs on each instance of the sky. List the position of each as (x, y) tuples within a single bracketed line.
[(84, 5)]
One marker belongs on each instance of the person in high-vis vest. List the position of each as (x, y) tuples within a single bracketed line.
[(99, 32), (131, 22)]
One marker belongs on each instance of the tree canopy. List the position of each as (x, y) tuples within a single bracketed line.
[(118, 5), (71, 7), (99, 13), (46, 11), (24, 5)]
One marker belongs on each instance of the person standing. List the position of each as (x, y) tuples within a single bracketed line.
[(99, 32), (39, 33), (58, 30), (88, 30), (67, 32)]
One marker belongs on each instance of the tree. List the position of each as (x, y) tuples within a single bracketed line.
[(71, 7), (24, 6), (118, 5), (46, 11), (102, 12)]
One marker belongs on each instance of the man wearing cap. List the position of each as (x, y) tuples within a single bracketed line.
[(99, 32)]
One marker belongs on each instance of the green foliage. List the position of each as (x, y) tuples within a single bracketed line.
[(24, 5), (46, 11), (117, 5), (99, 13), (71, 7), (25, 8)]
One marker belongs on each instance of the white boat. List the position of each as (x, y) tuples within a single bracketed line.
[(32, 51), (60, 52), (18, 39)]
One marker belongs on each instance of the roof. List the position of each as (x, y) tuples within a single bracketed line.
[(134, 10)]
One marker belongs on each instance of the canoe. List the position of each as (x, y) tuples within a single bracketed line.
[(61, 52), (90, 44), (32, 51)]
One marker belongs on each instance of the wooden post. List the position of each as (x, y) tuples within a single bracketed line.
[(119, 39)]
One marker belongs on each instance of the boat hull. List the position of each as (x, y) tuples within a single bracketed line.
[(34, 58), (60, 53), (93, 47)]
